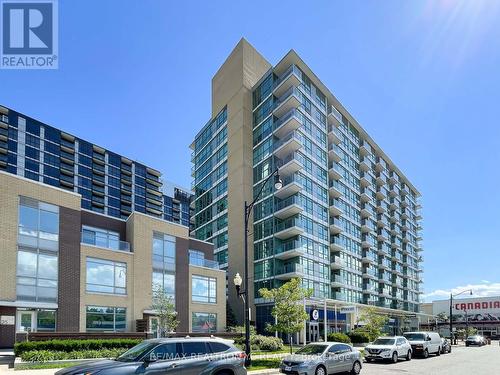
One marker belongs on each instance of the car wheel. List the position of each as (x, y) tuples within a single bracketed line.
[(356, 368), (320, 371), (394, 357), (426, 353), (449, 349), (439, 351), (408, 355)]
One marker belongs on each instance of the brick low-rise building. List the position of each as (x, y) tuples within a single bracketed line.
[(67, 269)]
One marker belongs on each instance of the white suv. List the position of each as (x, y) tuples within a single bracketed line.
[(388, 348)]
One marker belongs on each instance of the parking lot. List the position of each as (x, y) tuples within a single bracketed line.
[(461, 361)]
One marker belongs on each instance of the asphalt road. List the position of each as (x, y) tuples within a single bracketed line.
[(461, 361)]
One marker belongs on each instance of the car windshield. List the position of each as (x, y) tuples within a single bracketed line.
[(414, 336), (135, 353), (383, 342), (312, 349)]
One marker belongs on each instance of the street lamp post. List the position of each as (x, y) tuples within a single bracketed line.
[(278, 184), (451, 310)]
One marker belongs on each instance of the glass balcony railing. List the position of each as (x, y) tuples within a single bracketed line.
[(202, 262), (103, 240), (289, 268), (289, 223)]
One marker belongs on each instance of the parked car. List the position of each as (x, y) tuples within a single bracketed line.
[(424, 343), (475, 340), (445, 345), (388, 348), (322, 359), (204, 356)]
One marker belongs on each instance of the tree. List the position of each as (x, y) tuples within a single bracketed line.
[(288, 310), (164, 308), (374, 322), (442, 317), (231, 320)]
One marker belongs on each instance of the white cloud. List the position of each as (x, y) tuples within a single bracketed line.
[(485, 289)]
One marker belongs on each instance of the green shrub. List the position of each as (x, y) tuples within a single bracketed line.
[(339, 337), (73, 345), (47, 355), (359, 337), (261, 342)]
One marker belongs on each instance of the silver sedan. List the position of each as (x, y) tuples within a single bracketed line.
[(322, 359)]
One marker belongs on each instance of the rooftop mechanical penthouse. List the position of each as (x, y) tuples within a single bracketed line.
[(347, 219)]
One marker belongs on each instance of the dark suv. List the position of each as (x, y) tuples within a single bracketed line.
[(187, 356)]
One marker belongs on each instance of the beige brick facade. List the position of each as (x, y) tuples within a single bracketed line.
[(11, 188)]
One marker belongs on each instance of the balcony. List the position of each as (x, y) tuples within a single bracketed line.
[(291, 186), (289, 228), (202, 262), (334, 153), (288, 100), (365, 148), (367, 241), (291, 77), (290, 143), (334, 116), (291, 121), (367, 226), (365, 195), (335, 207), (337, 263), (365, 164), (364, 179), (290, 165), (336, 244), (370, 289), (288, 250), (381, 193), (334, 189), (67, 157), (337, 281), (290, 206), (289, 271), (102, 240), (335, 227), (68, 146), (366, 210), (99, 158), (334, 135), (339, 296), (335, 171), (370, 274)]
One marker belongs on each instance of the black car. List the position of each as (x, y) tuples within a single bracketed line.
[(173, 356)]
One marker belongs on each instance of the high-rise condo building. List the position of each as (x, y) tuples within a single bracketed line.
[(346, 220)]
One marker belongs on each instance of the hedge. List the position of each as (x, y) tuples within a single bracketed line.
[(359, 337), (73, 345), (339, 337), (261, 342), (47, 355)]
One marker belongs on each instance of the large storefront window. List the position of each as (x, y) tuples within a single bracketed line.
[(111, 319), (164, 264), (105, 276), (204, 322), (203, 289)]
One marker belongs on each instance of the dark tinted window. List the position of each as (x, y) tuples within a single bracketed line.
[(194, 348), (165, 351), (339, 348), (218, 347)]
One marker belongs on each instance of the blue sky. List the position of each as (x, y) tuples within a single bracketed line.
[(422, 77)]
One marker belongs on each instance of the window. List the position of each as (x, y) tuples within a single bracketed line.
[(204, 322), (103, 238), (46, 321), (218, 347), (101, 318), (192, 349), (164, 263), (36, 275), (105, 276), (166, 351), (38, 224), (203, 289)]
